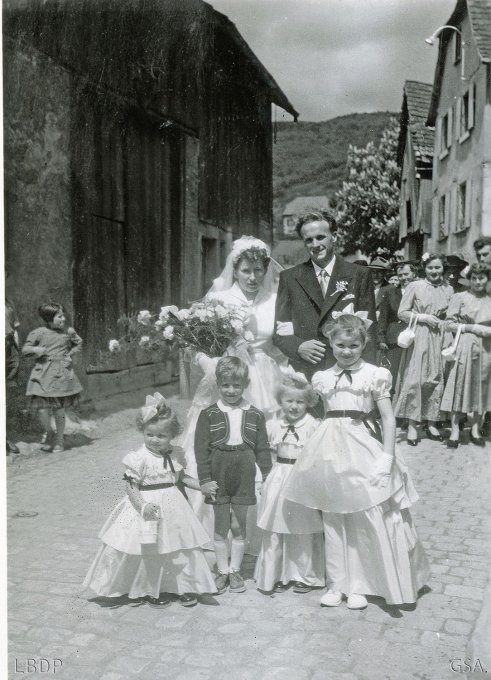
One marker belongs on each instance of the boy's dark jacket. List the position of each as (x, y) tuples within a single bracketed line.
[(213, 430)]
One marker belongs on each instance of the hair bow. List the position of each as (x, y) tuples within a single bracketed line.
[(350, 310), (152, 405), (295, 375)]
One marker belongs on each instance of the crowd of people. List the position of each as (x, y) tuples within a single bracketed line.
[(293, 442)]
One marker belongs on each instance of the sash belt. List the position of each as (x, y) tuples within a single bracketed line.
[(368, 419), (286, 461), (153, 487)]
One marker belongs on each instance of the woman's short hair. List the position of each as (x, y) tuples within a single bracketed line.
[(412, 267), (253, 255), (481, 242), (430, 257), (325, 215), (49, 310), (232, 368), (349, 324), (164, 415), (289, 383), (478, 268)]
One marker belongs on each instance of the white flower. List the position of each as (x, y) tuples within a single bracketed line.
[(249, 336), (144, 340), (220, 311), (158, 324), (183, 314), (168, 332), (165, 311), (237, 325), (341, 286), (114, 346), (425, 257), (201, 314), (144, 317)]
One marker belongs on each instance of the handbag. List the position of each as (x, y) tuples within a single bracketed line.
[(406, 338), (449, 353)]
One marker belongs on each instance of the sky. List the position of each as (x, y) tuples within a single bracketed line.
[(334, 57)]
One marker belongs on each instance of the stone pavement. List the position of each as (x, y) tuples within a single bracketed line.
[(247, 636)]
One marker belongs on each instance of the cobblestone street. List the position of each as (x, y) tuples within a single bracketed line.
[(246, 636)]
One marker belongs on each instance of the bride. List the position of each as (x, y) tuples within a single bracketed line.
[(249, 283)]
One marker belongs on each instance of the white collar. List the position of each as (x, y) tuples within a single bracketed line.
[(225, 408), (328, 268), (355, 367), (299, 423)]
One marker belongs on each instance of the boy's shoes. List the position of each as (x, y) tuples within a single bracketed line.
[(478, 441), (45, 441), (58, 448), (299, 587), (236, 582), (221, 582), (163, 600), (357, 601), (279, 587), (188, 600), (332, 598)]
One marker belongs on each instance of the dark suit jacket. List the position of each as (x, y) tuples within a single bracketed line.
[(300, 301), (389, 324)]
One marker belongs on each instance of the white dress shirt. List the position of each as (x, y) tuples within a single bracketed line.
[(234, 414)]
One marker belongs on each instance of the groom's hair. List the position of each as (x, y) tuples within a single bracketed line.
[(326, 215), (232, 367)]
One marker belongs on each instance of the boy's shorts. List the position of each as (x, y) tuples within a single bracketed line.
[(234, 470)]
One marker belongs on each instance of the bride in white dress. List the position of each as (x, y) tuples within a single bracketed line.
[(248, 282)]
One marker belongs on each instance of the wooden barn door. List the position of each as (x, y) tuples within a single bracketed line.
[(130, 251)]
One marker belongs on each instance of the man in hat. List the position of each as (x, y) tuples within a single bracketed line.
[(379, 267), (455, 265), (309, 292)]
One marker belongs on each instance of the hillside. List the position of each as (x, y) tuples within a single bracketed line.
[(309, 159)]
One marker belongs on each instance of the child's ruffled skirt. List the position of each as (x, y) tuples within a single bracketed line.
[(113, 573)]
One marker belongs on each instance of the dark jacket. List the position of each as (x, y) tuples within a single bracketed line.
[(300, 301), (213, 429), (389, 324)]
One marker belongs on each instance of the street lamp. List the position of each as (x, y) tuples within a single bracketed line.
[(432, 38)]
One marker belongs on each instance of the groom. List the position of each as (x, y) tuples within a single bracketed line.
[(309, 292)]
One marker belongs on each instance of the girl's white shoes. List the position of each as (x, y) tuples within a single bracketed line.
[(333, 598), (357, 602)]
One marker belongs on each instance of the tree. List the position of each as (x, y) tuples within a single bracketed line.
[(368, 202)]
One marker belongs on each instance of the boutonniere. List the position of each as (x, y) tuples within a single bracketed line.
[(350, 296), (341, 286)]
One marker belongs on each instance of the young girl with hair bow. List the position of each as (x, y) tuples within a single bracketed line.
[(152, 540), (352, 473)]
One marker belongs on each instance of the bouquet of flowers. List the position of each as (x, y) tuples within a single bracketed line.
[(208, 326)]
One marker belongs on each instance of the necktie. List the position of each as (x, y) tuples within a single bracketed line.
[(347, 373), (324, 281), (291, 430)]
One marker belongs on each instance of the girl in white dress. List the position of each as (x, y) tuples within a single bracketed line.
[(152, 539), (361, 484), (292, 546)]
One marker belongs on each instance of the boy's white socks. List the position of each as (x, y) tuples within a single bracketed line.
[(221, 553), (237, 553)]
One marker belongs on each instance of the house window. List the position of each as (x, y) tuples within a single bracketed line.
[(443, 208), (462, 220), (446, 133), (457, 54), (465, 109)]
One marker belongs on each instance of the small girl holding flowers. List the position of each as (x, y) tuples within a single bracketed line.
[(152, 539), (358, 480)]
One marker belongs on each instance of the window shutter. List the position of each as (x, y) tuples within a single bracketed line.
[(472, 95), (450, 127), (468, 203), (439, 141)]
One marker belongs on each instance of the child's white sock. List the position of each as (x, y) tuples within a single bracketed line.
[(237, 553), (221, 553)]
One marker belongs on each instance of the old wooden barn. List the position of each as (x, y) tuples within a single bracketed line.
[(138, 143)]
